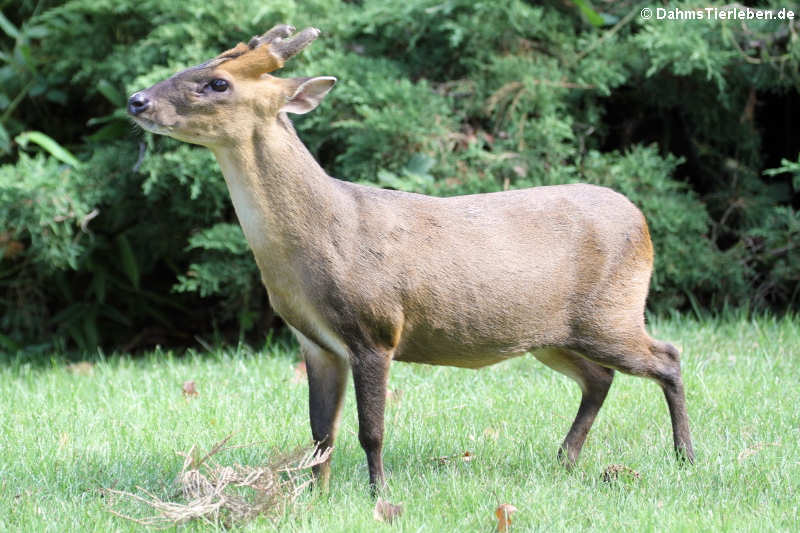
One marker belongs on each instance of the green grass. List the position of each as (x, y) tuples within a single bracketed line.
[(63, 436)]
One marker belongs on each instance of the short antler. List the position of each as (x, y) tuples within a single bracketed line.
[(279, 32), (267, 52)]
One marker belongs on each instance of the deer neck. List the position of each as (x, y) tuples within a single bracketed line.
[(283, 199)]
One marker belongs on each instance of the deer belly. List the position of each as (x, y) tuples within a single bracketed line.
[(462, 360), (449, 349)]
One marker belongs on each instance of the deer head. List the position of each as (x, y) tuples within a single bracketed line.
[(220, 102)]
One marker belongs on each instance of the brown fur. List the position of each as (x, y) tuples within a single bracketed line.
[(364, 276), (252, 64)]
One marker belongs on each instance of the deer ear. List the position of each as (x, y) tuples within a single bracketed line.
[(309, 94)]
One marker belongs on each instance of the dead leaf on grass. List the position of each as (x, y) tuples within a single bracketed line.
[(503, 514), (754, 449), (619, 472), (445, 459), (81, 368), (385, 511), (491, 433), (300, 373), (189, 388), (393, 396)]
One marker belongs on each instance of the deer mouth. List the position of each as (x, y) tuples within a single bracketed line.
[(152, 126)]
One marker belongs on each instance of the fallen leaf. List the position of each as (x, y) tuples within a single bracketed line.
[(616, 472), (82, 368), (754, 449), (491, 433), (385, 511), (393, 396), (503, 514), (189, 388), (445, 459), (300, 372)]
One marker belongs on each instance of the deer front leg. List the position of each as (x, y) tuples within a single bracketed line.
[(370, 375), (327, 381)]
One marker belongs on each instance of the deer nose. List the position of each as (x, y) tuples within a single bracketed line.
[(137, 103)]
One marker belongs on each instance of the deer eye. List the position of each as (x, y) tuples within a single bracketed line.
[(219, 85)]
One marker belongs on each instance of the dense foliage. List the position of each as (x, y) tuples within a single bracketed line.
[(111, 237)]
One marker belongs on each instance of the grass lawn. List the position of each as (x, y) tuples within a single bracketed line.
[(64, 435)]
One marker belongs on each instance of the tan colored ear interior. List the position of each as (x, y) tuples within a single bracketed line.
[(252, 63)]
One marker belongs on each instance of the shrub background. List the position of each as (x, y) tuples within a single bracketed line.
[(110, 237)]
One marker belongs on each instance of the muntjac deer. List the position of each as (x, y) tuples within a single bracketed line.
[(365, 276)]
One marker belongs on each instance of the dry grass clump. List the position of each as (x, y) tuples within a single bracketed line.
[(226, 495)]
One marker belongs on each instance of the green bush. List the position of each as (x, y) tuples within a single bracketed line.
[(115, 238)]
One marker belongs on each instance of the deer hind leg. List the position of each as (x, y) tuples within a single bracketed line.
[(327, 381), (640, 355), (594, 381), (672, 384)]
